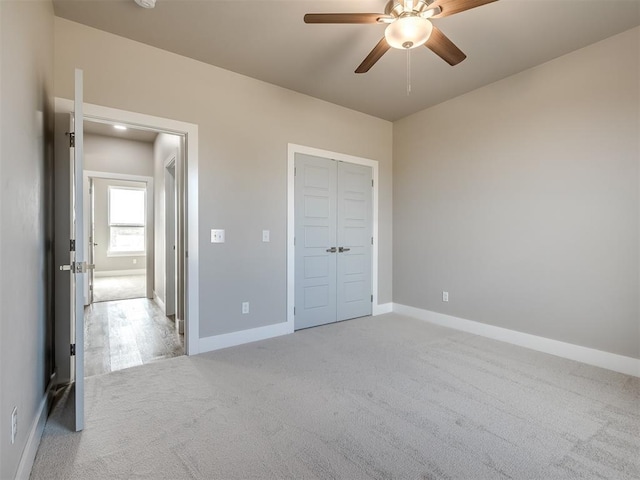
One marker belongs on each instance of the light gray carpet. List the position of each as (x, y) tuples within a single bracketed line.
[(382, 397), (122, 287)]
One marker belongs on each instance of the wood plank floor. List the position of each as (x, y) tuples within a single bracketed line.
[(127, 333)]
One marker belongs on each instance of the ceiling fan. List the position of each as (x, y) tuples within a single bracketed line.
[(408, 27)]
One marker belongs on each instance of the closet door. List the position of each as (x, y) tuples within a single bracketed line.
[(354, 238), (315, 241)]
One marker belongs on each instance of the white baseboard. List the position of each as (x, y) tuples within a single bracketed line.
[(591, 356), (119, 273), (35, 434), (159, 301), (382, 308), (232, 339)]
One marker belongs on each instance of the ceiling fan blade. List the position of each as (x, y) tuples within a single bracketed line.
[(440, 44), (451, 7), (342, 17), (378, 51)]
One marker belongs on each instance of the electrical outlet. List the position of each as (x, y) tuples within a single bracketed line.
[(265, 236), (245, 307), (445, 296), (135, 260), (217, 236), (14, 425)]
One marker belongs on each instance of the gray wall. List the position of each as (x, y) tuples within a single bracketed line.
[(26, 87), (244, 128), (102, 261), (118, 155), (164, 146), (521, 200)]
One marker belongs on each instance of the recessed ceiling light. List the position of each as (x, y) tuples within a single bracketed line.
[(119, 127), (146, 3)]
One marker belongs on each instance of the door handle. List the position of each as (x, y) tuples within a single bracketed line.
[(343, 249), (332, 250), (80, 267)]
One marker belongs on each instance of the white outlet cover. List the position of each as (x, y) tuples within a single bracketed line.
[(265, 235), (245, 307), (217, 236)]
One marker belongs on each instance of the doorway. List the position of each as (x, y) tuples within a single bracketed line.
[(127, 322), (118, 227)]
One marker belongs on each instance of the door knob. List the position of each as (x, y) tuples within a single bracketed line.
[(343, 249), (332, 250)]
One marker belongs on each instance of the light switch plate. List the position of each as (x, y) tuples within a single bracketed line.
[(217, 236), (265, 236)]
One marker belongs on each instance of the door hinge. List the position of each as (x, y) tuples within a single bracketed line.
[(371, 298), (72, 245), (72, 139), (372, 182), (73, 349), (371, 240), (295, 171), (294, 311)]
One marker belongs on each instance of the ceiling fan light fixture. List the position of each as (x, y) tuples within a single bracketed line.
[(408, 32)]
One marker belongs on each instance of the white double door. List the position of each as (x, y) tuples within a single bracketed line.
[(333, 240)]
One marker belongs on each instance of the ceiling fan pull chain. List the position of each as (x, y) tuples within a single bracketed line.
[(408, 72)]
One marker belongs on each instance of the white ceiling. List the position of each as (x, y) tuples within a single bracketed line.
[(268, 40)]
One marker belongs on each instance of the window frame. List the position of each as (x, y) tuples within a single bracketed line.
[(127, 253)]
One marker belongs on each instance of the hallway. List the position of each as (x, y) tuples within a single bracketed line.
[(127, 333)]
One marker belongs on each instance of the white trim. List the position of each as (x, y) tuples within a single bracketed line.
[(590, 356), (35, 434), (126, 254), (159, 301), (119, 273), (382, 308), (292, 150), (190, 131), (232, 339)]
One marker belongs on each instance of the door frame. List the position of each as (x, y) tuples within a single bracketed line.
[(341, 157), (170, 230), (190, 133), (148, 223)]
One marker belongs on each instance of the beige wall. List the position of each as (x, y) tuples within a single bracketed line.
[(118, 155), (244, 128), (521, 200), (26, 121)]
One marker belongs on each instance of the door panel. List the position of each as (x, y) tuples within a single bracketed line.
[(78, 265), (354, 234), (315, 233)]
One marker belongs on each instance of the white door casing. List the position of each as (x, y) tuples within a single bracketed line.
[(189, 131)]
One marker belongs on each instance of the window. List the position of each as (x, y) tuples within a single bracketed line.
[(126, 221)]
